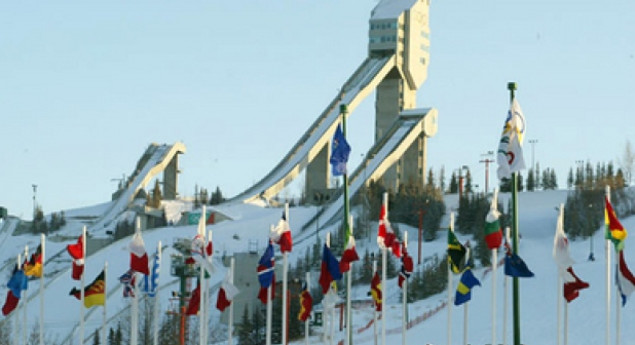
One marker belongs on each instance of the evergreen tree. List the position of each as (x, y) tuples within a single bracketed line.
[(531, 183), (96, 338), (442, 179), (468, 183), (217, 197), (454, 185), (570, 179)]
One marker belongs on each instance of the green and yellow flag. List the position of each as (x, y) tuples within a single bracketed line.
[(614, 229), (456, 253)]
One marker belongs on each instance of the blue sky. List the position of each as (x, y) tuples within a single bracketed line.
[(84, 88)]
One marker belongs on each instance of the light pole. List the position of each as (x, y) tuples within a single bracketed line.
[(487, 161), (34, 200), (533, 143)]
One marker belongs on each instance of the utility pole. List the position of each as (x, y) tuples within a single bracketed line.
[(533, 143), (487, 161)]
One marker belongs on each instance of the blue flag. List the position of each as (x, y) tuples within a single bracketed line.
[(339, 152), (464, 289), (516, 267), (128, 280), (17, 282), (265, 267), (151, 281)]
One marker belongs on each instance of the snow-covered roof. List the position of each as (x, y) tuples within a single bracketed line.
[(389, 9)]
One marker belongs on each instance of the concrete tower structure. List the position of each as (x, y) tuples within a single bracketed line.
[(400, 29)]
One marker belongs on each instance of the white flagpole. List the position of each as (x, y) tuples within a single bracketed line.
[(285, 269), (349, 283), (207, 292), (43, 243), (465, 305), (505, 283), (156, 299), (26, 300), (566, 323), (618, 308), (375, 307), (231, 305), (449, 326), (306, 323), (134, 316), (16, 313), (384, 287), (607, 248), (81, 305), (494, 281), (560, 290), (404, 298), (201, 307), (105, 314), (494, 276), (270, 304)]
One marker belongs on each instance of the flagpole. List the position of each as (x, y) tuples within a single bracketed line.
[(16, 314), (505, 292), (511, 86), (201, 315), (607, 248), (347, 225), (331, 316), (384, 287), (105, 313), (26, 300), (270, 305), (449, 326), (134, 320), (375, 309), (42, 243), (231, 305), (306, 322), (560, 290), (285, 271), (465, 305), (566, 323), (494, 276), (156, 299), (81, 305), (618, 309), (349, 284), (404, 297), (207, 283)]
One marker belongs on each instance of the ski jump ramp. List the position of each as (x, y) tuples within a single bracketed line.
[(365, 79)]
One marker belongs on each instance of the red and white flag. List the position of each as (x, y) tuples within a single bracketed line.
[(385, 235), (226, 293), (138, 255), (281, 234)]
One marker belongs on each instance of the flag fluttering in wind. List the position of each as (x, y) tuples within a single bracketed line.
[(226, 293), (306, 303), (510, 148), (195, 300), (375, 290), (614, 229), (281, 234), (76, 251), (406, 267), (266, 276), (330, 269), (33, 268), (94, 293), (464, 289), (340, 150), (493, 231), (572, 289), (201, 251), (515, 266), (138, 255), (456, 253), (16, 284), (385, 235), (572, 284), (151, 281), (350, 253), (128, 280), (625, 279)]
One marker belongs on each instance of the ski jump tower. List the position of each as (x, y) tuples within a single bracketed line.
[(398, 31), (396, 66)]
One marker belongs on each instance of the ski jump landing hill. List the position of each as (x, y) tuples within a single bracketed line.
[(395, 68)]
